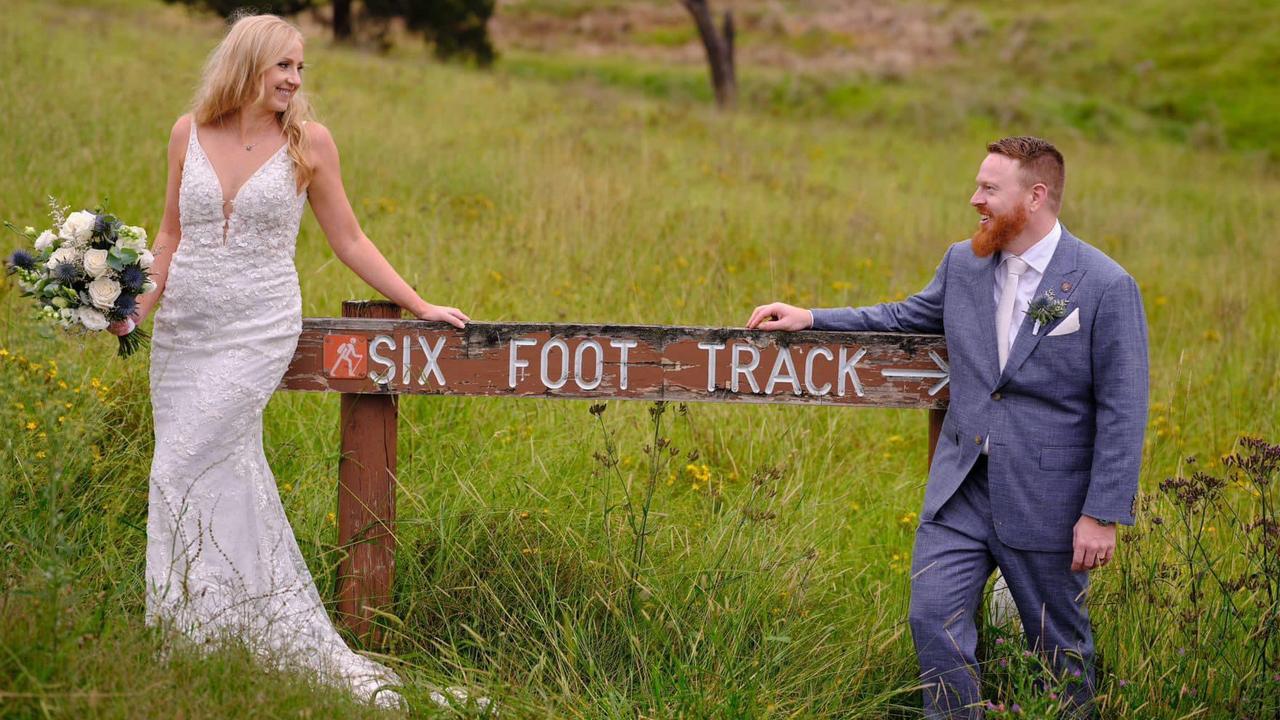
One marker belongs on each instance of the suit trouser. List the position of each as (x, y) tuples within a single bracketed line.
[(955, 554)]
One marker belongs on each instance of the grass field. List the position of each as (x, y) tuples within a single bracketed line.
[(776, 582)]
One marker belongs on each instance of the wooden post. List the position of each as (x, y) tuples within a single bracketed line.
[(366, 494), (935, 429)]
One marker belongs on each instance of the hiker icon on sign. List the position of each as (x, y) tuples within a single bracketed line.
[(346, 356)]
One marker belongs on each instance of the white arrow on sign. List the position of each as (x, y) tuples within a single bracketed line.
[(943, 372)]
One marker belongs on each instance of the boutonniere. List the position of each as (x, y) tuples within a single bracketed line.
[(1045, 309)]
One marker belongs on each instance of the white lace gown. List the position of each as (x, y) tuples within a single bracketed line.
[(221, 557)]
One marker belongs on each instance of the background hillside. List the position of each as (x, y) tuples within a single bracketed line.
[(573, 183)]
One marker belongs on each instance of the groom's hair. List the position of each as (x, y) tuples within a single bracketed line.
[(1038, 161)]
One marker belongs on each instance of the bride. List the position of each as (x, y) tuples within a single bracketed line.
[(222, 561)]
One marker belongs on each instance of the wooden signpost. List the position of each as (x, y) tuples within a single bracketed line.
[(372, 357)]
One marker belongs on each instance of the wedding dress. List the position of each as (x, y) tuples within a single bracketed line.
[(222, 560)]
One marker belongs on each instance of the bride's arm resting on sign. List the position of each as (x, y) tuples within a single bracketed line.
[(333, 211)]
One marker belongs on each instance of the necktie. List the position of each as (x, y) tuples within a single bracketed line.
[(1014, 267)]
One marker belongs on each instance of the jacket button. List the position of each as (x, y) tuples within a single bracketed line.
[(977, 439), (996, 396)]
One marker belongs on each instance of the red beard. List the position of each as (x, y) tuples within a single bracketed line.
[(999, 231)]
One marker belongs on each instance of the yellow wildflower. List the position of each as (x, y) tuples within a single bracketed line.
[(39, 454), (32, 425), (331, 518)]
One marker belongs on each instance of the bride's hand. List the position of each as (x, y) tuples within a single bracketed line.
[(451, 315), (120, 328)]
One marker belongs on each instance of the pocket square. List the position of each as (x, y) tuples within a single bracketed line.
[(1069, 324)]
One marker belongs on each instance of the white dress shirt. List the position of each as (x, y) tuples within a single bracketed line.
[(1037, 258)]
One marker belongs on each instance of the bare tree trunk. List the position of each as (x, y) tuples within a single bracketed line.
[(341, 20), (719, 47)]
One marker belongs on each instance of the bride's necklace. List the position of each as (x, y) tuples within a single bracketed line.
[(250, 146)]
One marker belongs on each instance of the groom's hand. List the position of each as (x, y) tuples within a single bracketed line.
[(1094, 544), (780, 316)]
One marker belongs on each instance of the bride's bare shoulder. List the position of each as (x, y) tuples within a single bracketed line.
[(324, 150), (179, 136), (181, 129), (319, 135)]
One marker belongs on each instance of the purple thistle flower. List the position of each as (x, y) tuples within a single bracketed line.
[(106, 227), (1076, 672), (132, 278), (1053, 697), (21, 259), (1122, 683), (125, 305), (999, 641), (1004, 662), (1016, 709), (65, 273)]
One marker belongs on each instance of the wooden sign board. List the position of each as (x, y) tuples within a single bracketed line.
[(637, 362)]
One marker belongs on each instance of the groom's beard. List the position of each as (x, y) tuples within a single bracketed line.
[(999, 231)]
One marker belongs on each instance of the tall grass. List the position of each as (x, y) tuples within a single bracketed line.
[(773, 578)]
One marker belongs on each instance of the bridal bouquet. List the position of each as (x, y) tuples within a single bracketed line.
[(85, 272)]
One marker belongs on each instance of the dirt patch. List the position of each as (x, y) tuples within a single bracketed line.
[(860, 36)]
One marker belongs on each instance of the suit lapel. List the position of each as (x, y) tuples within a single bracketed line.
[(982, 287), (1062, 276)]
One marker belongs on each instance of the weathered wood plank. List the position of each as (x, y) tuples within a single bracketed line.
[(366, 496), (639, 362)]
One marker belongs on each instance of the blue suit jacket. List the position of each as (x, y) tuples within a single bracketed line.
[(1067, 415)]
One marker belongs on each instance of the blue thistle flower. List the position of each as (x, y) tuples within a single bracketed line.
[(125, 305), (65, 273), (132, 279), (21, 260), (105, 224)]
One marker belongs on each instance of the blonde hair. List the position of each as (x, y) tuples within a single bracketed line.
[(232, 79)]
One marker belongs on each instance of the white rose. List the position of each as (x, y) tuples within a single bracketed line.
[(103, 292), (92, 319), (63, 255), (78, 227), (44, 241), (145, 258), (95, 262)]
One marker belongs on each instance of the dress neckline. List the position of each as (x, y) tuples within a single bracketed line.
[(221, 186)]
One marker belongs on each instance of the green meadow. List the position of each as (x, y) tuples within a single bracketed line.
[(773, 577)]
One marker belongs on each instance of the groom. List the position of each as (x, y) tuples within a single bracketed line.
[(1039, 453)]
